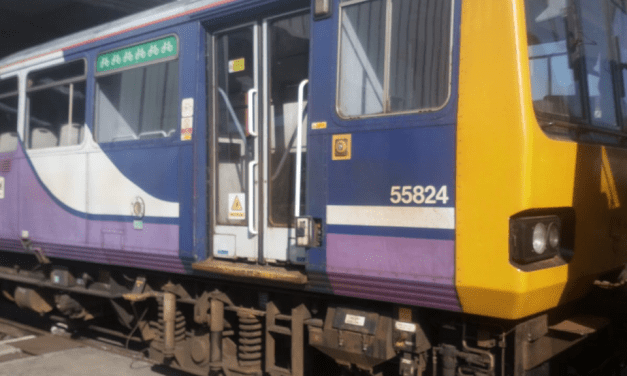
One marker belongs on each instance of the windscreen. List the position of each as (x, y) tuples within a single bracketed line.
[(577, 58)]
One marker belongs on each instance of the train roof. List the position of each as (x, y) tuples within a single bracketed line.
[(161, 13)]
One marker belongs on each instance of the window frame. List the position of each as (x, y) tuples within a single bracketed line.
[(34, 89), (387, 63), (15, 94), (17, 87), (97, 75)]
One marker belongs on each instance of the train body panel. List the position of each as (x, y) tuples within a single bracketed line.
[(388, 152), (379, 245), (399, 245), (80, 236), (393, 158)]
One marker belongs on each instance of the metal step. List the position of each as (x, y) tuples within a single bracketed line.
[(581, 325), (253, 271)]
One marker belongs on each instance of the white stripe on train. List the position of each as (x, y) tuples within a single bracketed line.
[(392, 216)]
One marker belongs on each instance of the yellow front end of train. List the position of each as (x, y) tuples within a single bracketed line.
[(513, 161)]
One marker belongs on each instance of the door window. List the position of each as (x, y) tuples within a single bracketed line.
[(288, 46), (235, 77)]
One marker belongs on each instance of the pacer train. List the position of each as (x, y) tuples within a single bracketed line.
[(319, 187)]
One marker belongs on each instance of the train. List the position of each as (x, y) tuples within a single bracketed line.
[(327, 187)]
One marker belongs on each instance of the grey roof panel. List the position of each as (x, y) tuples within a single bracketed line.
[(167, 10)]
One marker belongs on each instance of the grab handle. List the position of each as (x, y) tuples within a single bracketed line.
[(251, 115), (299, 146)]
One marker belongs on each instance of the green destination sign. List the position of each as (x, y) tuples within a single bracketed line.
[(141, 53)]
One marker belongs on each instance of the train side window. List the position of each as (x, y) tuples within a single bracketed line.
[(394, 56), (8, 115), (362, 58), (56, 106), (139, 103)]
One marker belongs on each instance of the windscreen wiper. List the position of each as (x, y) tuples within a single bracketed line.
[(580, 128)]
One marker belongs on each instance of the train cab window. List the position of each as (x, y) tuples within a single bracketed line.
[(138, 103), (56, 106), (579, 81), (394, 56), (8, 115)]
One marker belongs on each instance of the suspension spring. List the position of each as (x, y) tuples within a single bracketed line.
[(179, 326), (250, 340)]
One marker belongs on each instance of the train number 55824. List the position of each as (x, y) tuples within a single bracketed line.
[(418, 194)]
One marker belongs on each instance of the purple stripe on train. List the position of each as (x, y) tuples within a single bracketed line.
[(66, 235), (402, 270)]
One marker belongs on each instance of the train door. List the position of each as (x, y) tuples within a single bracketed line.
[(286, 68), (260, 73)]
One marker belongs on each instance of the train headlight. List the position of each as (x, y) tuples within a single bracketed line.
[(539, 239), (534, 238), (554, 236)]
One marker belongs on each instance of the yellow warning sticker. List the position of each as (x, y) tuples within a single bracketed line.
[(319, 125), (237, 65), (237, 205), (237, 209)]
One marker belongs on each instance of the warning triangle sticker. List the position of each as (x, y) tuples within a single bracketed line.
[(237, 205)]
